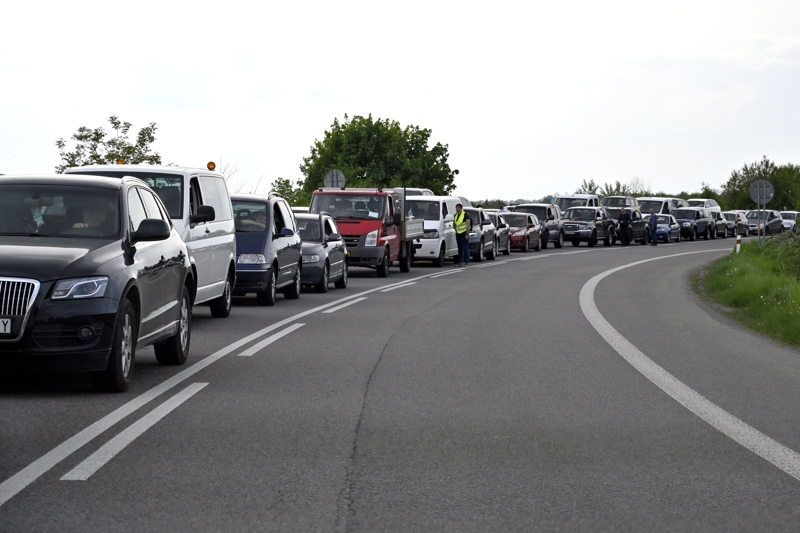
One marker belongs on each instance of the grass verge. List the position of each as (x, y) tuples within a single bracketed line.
[(760, 288)]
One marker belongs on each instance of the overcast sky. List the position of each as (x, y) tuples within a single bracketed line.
[(532, 97)]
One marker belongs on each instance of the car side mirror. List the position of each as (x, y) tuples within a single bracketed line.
[(151, 229), (397, 219), (334, 237), (486, 222), (205, 213), (449, 218), (551, 217), (286, 232)]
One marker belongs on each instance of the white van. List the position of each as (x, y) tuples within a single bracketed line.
[(708, 203), (414, 191), (566, 201), (661, 205), (198, 204), (439, 240)]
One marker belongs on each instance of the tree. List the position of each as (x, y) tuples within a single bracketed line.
[(379, 153), (589, 187), (95, 147), (295, 195), (785, 179)]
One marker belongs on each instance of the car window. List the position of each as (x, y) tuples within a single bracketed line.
[(136, 212), (444, 209), (277, 219), (215, 194), (330, 226), (150, 204), (195, 196), (288, 216)]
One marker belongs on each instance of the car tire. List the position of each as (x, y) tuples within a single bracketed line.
[(322, 284), (546, 240), (493, 252), (592, 239), (341, 283), (538, 246), (175, 349), (707, 234), (405, 262), (118, 374), (439, 261), (292, 292), (693, 236), (221, 307), (560, 242), (725, 234), (507, 250), (525, 247), (608, 241), (268, 296), (713, 233), (383, 268), (479, 256)]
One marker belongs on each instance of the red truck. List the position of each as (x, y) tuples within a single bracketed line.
[(372, 224)]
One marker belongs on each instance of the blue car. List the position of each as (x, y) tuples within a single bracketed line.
[(668, 229)]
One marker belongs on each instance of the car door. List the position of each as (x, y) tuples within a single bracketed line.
[(503, 233), (488, 231), (336, 247), (220, 239), (448, 230), (280, 245), (295, 243), (150, 267), (392, 231), (200, 246)]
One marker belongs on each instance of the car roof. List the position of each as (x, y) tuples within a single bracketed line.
[(577, 196), (61, 179), (534, 205), (253, 197), (141, 168)]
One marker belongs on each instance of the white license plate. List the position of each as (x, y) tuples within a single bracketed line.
[(5, 325)]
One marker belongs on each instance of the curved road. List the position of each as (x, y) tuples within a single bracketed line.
[(486, 398)]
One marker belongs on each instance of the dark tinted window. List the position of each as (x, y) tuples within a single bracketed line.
[(539, 211), (308, 229), (168, 187), (421, 209), (350, 206), (136, 211), (250, 217)]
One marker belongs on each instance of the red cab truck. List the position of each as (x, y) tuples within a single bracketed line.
[(372, 224)]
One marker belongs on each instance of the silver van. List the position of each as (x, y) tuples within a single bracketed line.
[(198, 204), (438, 243)]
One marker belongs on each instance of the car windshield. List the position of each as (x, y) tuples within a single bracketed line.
[(539, 211), (730, 217), (615, 211), (250, 217), (474, 215), (350, 206), (565, 202), (59, 211), (421, 209), (684, 213), (614, 202), (662, 219), (168, 187), (308, 228), (580, 214), (697, 203), (786, 215), (647, 205), (756, 214), (516, 221)]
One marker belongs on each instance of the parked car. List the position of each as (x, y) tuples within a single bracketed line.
[(269, 248), (106, 274), (577, 200), (668, 229), (638, 229), (198, 205), (438, 242), (706, 203), (735, 222), (481, 238), (770, 220), (720, 225), (694, 221), (324, 252), (789, 220), (628, 202), (526, 232), (660, 205), (549, 216), (589, 225), (502, 231)]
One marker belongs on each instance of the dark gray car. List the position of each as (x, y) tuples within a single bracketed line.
[(589, 225), (502, 234), (549, 216), (324, 252), (695, 222)]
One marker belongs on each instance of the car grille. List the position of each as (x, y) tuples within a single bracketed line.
[(571, 227), (352, 241), (16, 295)]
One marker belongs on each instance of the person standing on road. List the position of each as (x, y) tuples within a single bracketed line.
[(463, 225), (624, 226), (653, 227)]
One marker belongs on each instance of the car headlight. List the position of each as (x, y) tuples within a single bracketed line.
[(310, 258), (687, 224), (68, 289), (372, 238), (472, 234), (519, 233), (252, 259), (583, 226), (431, 235)]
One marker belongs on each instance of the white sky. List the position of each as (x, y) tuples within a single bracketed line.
[(532, 97)]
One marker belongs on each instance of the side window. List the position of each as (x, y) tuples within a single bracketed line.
[(195, 197), (224, 199), (215, 194), (150, 204), (444, 209), (330, 227), (136, 212), (288, 216), (277, 218)]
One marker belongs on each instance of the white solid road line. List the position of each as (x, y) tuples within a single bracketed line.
[(399, 286), (351, 302), (109, 450), (776, 453), (269, 340), (13, 485)]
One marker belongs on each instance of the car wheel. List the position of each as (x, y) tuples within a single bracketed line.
[(221, 307), (525, 247), (292, 292), (693, 236), (479, 255), (539, 242), (175, 350), (268, 296), (714, 232), (341, 283), (493, 252), (645, 237), (405, 262), (608, 240), (507, 251), (118, 374), (322, 285), (439, 261), (383, 268), (592, 239), (707, 234), (560, 242), (545, 240), (725, 234)]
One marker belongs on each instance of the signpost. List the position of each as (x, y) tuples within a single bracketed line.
[(761, 192), (334, 179)]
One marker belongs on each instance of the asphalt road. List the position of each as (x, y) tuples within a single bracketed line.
[(514, 395)]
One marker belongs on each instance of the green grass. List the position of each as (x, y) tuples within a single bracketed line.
[(759, 287)]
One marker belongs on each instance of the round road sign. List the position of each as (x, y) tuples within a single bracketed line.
[(761, 191), (334, 179)]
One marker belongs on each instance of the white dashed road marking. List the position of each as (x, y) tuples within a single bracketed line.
[(269, 340), (347, 304)]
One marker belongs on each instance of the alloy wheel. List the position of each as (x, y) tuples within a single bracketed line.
[(126, 352)]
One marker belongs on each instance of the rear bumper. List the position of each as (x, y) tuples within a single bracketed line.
[(426, 249)]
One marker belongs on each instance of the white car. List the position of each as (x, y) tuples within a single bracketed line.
[(709, 204), (200, 209), (566, 201), (438, 243), (789, 220), (661, 205)]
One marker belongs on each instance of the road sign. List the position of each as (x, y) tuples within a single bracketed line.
[(334, 178), (761, 191)]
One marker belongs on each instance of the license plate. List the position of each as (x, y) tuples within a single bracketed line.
[(5, 325)]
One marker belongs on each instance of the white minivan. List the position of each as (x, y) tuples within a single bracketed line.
[(200, 209), (439, 240)]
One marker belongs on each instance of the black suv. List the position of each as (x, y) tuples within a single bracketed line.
[(694, 222), (589, 225), (90, 269), (549, 216)]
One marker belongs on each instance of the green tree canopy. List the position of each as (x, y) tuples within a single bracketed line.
[(96, 147), (785, 179), (379, 153)]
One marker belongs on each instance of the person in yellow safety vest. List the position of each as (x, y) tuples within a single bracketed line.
[(463, 225)]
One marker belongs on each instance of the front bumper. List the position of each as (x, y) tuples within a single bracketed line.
[(662, 234), (361, 255), (311, 274), (518, 243), (580, 235), (251, 281), (687, 231)]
